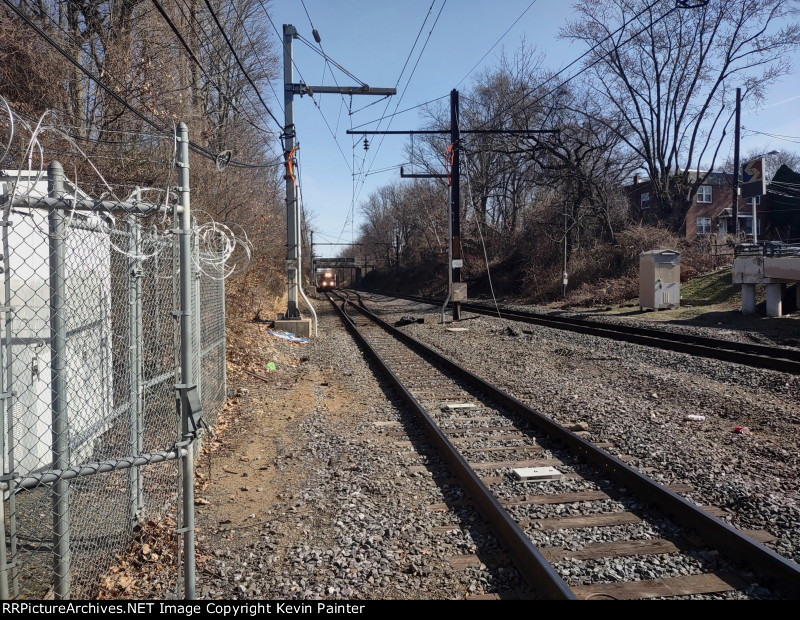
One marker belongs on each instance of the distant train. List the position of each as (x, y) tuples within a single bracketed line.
[(326, 280)]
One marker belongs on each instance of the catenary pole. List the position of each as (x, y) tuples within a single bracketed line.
[(455, 205), (290, 89)]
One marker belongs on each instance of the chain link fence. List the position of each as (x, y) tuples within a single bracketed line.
[(100, 399)]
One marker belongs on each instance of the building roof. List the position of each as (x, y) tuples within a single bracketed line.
[(714, 178)]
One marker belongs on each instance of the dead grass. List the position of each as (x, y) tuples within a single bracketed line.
[(713, 288)]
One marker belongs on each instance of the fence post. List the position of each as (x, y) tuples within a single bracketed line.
[(225, 337), (187, 379), (5, 403), (7, 412), (198, 329), (58, 370), (135, 346)]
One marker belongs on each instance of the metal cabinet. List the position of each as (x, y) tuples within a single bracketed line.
[(659, 279)]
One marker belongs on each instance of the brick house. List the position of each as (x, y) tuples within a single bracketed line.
[(710, 211)]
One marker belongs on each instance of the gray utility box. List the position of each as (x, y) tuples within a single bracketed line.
[(659, 279)]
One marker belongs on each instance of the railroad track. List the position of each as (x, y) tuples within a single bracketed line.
[(483, 434), (757, 355)]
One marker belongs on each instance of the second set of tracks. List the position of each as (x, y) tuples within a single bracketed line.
[(782, 359), (483, 433)]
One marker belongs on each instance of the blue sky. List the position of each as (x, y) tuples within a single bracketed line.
[(372, 40)]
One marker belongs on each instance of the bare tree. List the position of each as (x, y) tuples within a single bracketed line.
[(669, 75)]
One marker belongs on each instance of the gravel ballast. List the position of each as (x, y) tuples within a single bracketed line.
[(637, 398), (348, 518)]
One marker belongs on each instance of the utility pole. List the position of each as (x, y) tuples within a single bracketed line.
[(292, 318), (736, 140), (458, 289)]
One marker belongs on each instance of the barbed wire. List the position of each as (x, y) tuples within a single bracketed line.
[(223, 248)]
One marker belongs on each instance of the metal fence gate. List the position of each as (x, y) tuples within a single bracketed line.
[(112, 343)]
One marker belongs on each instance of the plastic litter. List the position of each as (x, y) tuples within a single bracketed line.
[(695, 418), (287, 336), (741, 430), (407, 320)]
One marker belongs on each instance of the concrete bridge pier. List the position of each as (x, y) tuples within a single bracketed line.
[(748, 298), (775, 298)]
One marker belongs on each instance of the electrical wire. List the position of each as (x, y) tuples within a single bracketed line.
[(196, 61), (362, 175), (204, 39), (264, 71), (200, 150), (389, 168), (212, 234), (419, 105), (327, 64), (503, 36), (581, 57), (480, 233), (239, 62), (328, 59), (400, 99), (794, 139), (311, 96)]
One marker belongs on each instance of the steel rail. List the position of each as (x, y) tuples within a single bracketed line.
[(527, 558), (756, 355), (778, 571)]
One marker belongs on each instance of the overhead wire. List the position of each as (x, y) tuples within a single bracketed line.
[(328, 62), (328, 59), (480, 234), (194, 146), (302, 79), (265, 72), (408, 82), (200, 65), (362, 175), (204, 39), (239, 62), (206, 235), (793, 139), (200, 150), (503, 36), (419, 105), (581, 57)]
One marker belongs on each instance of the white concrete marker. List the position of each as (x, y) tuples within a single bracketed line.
[(538, 474)]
